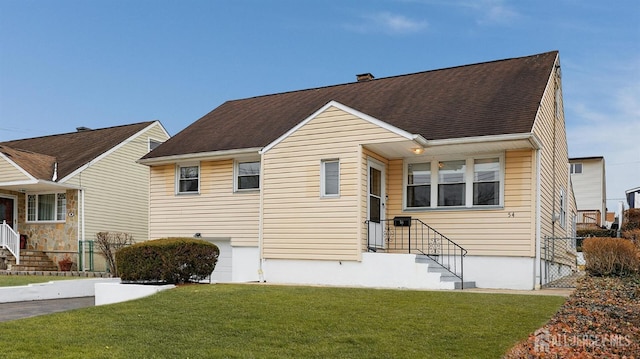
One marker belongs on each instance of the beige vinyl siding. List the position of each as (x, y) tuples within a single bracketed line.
[(490, 232), (116, 189), (547, 126), (297, 222), (216, 212), (9, 173)]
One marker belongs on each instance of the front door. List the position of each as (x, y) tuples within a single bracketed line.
[(6, 211), (375, 204)]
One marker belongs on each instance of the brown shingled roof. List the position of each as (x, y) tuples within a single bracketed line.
[(492, 98), (69, 150), (37, 165)]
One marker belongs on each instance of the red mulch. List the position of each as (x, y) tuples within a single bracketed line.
[(601, 319)]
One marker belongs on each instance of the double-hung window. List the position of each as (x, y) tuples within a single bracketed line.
[(486, 182), (46, 207), (419, 185), (451, 183), (188, 179), (330, 178), (475, 182), (247, 175)]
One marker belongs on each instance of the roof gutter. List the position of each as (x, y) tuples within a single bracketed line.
[(420, 140), (528, 136), (202, 156)]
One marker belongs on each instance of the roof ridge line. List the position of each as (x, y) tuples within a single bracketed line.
[(390, 77), (75, 132)]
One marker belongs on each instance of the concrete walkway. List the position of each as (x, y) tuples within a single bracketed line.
[(19, 310), (562, 292)]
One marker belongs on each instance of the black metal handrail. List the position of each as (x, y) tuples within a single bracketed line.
[(414, 236)]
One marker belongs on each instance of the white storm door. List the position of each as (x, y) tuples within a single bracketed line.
[(375, 204)]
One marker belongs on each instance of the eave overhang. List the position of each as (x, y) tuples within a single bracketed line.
[(36, 186), (202, 156), (453, 146)]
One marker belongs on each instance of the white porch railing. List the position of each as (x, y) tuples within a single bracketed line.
[(10, 240)]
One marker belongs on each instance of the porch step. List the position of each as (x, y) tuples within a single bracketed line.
[(31, 260), (445, 274)]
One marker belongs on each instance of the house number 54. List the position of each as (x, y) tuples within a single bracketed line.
[(511, 214)]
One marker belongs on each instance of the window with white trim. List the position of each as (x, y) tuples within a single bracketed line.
[(330, 178), (46, 207), (153, 144), (470, 183), (247, 175), (576, 168), (486, 182), (451, 183), (419, 185), (188, 179)]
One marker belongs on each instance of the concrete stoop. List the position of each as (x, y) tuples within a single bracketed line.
[(447, 279)]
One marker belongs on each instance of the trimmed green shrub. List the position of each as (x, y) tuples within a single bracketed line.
[(597, 232), (167, 260), (610, 256)]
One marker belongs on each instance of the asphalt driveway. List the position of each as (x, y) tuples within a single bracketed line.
[(19, 310)]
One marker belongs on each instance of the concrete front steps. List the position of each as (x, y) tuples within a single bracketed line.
[(445, 275)]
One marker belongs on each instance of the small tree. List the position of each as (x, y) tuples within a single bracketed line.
[(109, 243)]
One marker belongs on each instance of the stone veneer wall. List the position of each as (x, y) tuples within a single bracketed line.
[(53, 238)]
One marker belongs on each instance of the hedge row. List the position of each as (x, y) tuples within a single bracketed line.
[(597, 232), (611, 256), (167, 260)]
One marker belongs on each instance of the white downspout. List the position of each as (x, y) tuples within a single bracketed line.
[(78, 226), (84, 256), (537, 264), (260, 224)]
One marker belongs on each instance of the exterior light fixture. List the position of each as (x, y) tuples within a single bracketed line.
[(417, 150)]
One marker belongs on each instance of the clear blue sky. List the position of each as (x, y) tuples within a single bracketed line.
[(65, 63)]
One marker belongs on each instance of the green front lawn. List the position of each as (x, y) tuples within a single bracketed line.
[(263, 321), (15, 280)]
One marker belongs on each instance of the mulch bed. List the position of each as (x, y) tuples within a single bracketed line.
[(601, 319)]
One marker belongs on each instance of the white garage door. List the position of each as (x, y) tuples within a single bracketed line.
[(222, 272)]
